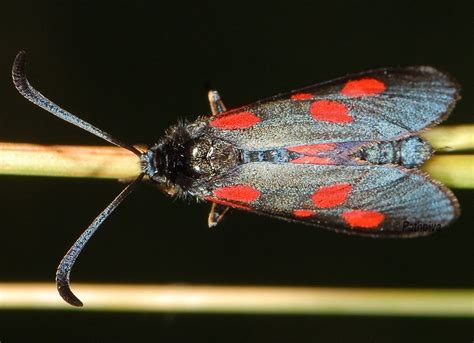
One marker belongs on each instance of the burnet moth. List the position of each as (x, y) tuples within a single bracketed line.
[(342, 155)]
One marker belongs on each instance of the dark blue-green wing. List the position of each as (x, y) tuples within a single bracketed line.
[(378, 105)]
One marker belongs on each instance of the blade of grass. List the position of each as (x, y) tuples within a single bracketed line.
[(68, 161), (245, 300), (456, 171), (116, 163), (451, 137)]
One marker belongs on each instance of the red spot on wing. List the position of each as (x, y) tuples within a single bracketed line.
[(312, 160), (228, 203), (363, 219), (330, 111), (235, 121), (363, 87), (330, 196), (312, 149), (237, 193), (302, 96), (304, 213)]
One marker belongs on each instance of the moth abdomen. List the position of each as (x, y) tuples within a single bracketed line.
[(278, 155), (409, 152), (414, 152)]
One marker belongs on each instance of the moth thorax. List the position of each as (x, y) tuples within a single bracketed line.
[(184, 162), (208, 158), (409, 152)]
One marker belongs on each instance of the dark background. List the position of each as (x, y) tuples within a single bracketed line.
[(132, 68)]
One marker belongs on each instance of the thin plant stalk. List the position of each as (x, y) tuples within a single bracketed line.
[(454, 170), (244, 300)]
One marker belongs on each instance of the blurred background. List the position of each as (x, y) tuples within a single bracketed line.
[(133, 68)]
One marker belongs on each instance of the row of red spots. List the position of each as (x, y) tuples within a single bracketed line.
[(335, 195), (330, 111), (240, 193), (363, 218), (325, 110), (331, 196), (363, 87), (235, 121), (336, 112), (355, 218), (324, 197)]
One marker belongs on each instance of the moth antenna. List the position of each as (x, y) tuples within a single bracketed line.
[(64, 269), (23, 86)]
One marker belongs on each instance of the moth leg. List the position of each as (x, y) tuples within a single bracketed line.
[(216, 214), (168, 189), (217, 106)]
